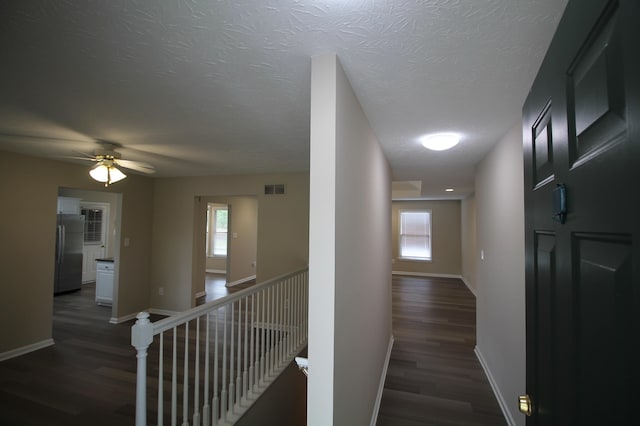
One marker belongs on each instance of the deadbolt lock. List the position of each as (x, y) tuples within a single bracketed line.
[(525, 405)]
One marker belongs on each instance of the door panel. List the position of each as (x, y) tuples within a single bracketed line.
[(581, 128), (603, 271), (545, 272), (91, 252), (543, 147), (596, 95)]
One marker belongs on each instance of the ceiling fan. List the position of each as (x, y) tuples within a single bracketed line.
[(108, 160)]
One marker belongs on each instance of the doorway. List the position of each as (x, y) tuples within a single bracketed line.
[(225, 243), (104, 229), (96, 223)]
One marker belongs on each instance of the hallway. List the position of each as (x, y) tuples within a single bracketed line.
[(434, 377)]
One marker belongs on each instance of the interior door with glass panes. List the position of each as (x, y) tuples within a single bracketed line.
[(95, 238)]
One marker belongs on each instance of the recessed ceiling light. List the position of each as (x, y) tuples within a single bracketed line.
[(440, 141), (449, 189)]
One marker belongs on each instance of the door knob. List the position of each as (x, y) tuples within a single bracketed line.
[(525, 405)]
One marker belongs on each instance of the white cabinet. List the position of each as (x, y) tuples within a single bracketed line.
[(104, 282), (68, 205)]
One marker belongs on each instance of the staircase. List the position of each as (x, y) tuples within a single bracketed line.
[(208, 365)]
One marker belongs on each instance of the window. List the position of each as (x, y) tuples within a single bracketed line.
[(92, 225), (217, 220), (415, 234)]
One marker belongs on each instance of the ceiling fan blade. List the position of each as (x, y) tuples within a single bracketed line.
[(66, 157), (137, 166)]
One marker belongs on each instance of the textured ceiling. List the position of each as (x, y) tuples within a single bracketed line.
[(199, 87)]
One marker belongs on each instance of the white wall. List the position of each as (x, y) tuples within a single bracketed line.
[(350, 252), (500, 276)]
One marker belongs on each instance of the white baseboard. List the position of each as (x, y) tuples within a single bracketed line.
[(429, 274), (216, 271), (201, 293), (471, 289), (243, 280), (129, 317), (162, 312), (119, 320), (494, 386), (25, 349), (425, 274), (376, 407)]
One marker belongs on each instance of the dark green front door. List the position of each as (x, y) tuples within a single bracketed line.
[(581, 125)]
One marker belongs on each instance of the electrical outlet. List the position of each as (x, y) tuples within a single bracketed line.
[(161, 291), (253, 264)]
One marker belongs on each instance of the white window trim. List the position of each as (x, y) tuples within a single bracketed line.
[(211, 222), (429, 236)]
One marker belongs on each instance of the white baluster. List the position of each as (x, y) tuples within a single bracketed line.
[(245, 372), (196, 380), (280, 306), (276, 325), (295, 306), (239, 355), (267, 325), (223, 393), (253, 345), (141, 338), (205, 408), (289, 316), (185, 379), (215, 407), (280, 323), (232, 387), (263, 341), (174, 380), (161, 381), (272, 323)]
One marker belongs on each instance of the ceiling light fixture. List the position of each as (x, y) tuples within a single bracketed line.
[(440, 141), (449, 189), (105, 171)]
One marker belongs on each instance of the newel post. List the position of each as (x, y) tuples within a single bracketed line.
[(141, 338)]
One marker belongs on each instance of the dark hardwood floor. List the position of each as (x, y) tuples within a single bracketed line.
[(88, 376), (434, 377)]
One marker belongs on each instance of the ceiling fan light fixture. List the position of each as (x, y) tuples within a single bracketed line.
[(106, 173), (440, 141)]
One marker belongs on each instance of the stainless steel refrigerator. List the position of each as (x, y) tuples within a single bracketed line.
[(69, 244)]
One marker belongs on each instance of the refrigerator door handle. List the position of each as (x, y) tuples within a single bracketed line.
[(58, 243), (63, 242)]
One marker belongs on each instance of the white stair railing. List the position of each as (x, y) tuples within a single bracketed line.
[(241, 343)]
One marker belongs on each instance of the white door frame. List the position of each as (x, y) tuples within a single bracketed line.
[(88, 264)]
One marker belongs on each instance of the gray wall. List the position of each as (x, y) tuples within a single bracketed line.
[(468, 240), (283, 226), (500, 276), (29, 190), (350, 252), (445, 236)]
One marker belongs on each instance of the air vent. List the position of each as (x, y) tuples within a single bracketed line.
[(274, 189)]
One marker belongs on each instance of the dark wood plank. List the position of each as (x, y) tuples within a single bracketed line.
[(88, 376), (434, 377)]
